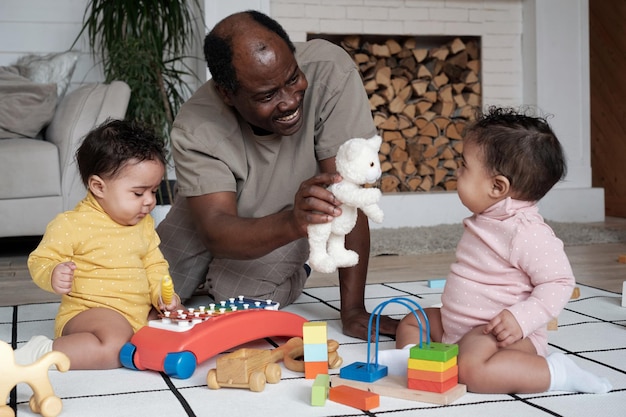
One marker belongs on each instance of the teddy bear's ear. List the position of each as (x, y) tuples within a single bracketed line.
[(375, 141), (350, 148)]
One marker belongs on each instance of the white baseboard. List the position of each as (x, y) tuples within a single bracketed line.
[(577, 205)]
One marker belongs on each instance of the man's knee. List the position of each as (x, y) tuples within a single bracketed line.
[(279, 275), (183, 249), (225, 282)]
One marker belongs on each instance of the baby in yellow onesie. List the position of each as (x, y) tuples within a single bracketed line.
[(103, 257)]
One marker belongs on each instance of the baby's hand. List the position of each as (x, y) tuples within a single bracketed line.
[(62, 277), (505, 328), (173, 306)]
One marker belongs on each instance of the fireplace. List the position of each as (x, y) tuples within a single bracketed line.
[(422, 90), (524, 47)]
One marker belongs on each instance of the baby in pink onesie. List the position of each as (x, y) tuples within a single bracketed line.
[(511, 275)]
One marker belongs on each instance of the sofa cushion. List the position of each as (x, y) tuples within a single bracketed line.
[(80, 110), (26, 107), (29, 168), (56, 68)]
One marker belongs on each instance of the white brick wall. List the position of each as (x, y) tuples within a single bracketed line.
[(497, 22), (35, 26), (506, 67)]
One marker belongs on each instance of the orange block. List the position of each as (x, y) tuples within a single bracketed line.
[(432, 386), (432, 375), (313, 369), (354, 397)]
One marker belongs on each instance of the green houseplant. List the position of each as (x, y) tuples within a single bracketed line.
[(145, 43)]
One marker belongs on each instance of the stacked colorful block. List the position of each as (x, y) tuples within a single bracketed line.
[(319, 390), (315, 339), (433, 367)]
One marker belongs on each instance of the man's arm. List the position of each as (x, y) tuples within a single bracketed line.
[(227, 235), (354, 316)]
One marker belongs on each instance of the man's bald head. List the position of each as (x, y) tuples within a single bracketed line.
[(246, 32)]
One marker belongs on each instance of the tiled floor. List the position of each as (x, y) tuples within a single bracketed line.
[(592, 331)]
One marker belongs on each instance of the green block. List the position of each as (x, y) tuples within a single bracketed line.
[(319, 391), (437, 352)]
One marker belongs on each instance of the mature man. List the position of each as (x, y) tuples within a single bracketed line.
[(254, 150)]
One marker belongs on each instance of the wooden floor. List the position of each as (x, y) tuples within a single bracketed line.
[(593, 265)]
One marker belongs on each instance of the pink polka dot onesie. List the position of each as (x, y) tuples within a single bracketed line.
[(508, 258)]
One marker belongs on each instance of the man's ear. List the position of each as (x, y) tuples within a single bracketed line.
[(224, 94), (500, 186), (96, 185)]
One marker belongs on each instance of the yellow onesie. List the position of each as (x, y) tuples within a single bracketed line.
[(117, 267)]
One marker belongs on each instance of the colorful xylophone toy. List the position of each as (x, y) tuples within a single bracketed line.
[(178, 341)]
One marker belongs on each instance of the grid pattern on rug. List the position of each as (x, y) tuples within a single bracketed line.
[(592, 330)]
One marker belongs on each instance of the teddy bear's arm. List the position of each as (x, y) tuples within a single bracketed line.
[(354, 195), (374, 212)]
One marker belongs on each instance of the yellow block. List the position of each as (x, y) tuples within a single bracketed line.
[(434, 366), (314, 332)]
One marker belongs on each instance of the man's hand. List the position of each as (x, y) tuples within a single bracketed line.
[(228, 235), (505, 328), (355, 323), (313, 203), (62, 277)]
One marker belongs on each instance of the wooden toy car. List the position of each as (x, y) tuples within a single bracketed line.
[(252, 368), (249, 368)]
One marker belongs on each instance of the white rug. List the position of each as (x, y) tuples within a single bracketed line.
[(592, 331)]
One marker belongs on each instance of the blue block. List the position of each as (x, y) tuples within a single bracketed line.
[(364, 372), (436, 283), (316, 352)]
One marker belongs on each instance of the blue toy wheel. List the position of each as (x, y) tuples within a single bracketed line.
[(180, 364), (126, 355)]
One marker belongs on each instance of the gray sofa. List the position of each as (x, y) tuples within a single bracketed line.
[(39, 178)]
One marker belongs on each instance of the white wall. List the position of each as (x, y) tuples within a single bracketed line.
[(49, 26), (42, 26), (534, 52)]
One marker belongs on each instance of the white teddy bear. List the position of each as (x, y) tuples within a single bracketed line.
[(357, 162)]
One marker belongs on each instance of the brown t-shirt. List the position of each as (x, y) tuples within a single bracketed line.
[(215, 150)]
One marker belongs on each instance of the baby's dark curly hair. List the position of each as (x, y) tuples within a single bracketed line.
[(218, 48), (520, 146), (109, 147)]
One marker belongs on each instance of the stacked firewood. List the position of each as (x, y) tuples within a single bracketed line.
[(421, 99)]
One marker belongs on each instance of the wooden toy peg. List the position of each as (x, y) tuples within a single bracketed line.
[(167, 290)]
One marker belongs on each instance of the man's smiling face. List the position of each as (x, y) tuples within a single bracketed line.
[(271, 85)]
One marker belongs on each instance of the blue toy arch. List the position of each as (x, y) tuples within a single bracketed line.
[(408, 303), (368, 372)]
